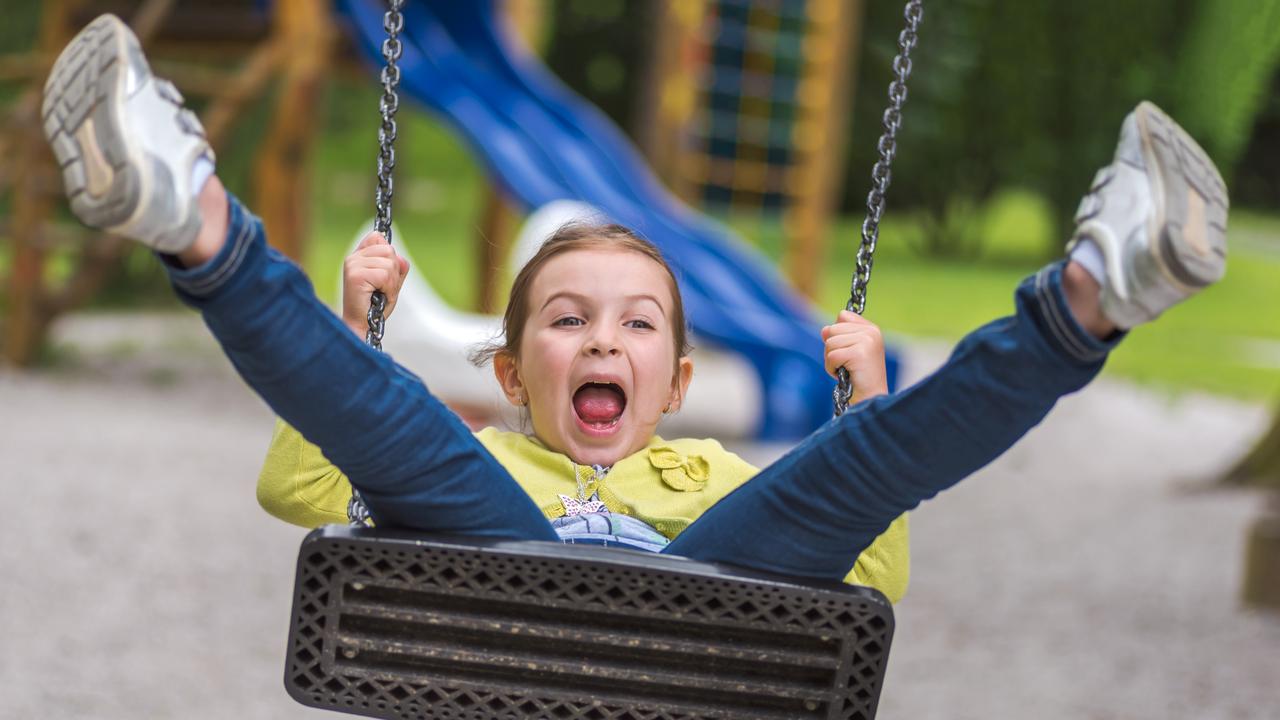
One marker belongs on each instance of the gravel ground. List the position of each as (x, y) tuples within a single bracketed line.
[(1092, 572)]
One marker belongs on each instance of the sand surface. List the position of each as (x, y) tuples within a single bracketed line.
[(1092, 572)]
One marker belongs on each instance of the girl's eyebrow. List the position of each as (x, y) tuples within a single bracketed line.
[(568, 294), (583, 299), (649, 297)]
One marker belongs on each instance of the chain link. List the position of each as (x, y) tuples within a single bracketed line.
[(392, 23), (357, 512), (880, 177)]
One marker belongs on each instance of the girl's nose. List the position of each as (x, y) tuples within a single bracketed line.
[(602, 343)]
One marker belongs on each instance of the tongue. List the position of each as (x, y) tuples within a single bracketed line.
[(596, 404)]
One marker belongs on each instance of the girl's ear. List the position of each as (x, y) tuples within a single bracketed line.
[(508, 375), (680, 383)]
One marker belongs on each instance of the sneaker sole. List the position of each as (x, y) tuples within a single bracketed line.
[(104, 175), (1190, 231)]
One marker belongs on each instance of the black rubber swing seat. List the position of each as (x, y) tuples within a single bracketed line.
[(393, 625)]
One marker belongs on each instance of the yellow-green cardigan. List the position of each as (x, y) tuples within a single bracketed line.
[(667, 485)]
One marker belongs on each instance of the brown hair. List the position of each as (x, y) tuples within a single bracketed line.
[(577, 235)]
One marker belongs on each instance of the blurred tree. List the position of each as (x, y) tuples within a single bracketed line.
[(1261, 465), (1225, 68), (1256, 180), (597, 48), (1032, 94), (1227, 65), (1003, 94), (946, 84)]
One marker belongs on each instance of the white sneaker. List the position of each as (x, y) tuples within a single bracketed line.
[(1158, 213), (127, 147)]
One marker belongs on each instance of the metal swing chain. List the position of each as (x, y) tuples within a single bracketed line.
[(880, 177), (392, 23)]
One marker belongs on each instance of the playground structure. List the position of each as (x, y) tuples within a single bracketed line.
[(540, 143), (745, 111), (244, 51)]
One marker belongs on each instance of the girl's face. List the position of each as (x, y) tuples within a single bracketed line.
[(597, 358)]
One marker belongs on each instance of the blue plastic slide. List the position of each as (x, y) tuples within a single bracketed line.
[(543, 143)]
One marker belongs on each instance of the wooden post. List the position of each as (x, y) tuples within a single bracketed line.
[(248, 83), (498, 220), (27, 319), (525, 20), (32, 305), (33, 179), (146, 20), (670, 88), (823, 100), (280, 180), (1262, 560)]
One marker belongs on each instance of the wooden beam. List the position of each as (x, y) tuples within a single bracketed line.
[(146, 20), (248, 83), (498, 220), (1262, 559), (670, 90), (27, 317), (32, 305), (22, 66), (823, 99), (215, 25), (524, 20), (305, 29)]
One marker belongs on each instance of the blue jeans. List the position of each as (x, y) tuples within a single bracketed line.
[(807, 515)]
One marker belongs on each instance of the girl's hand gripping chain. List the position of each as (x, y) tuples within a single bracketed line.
[(856, 343), (373, 265)]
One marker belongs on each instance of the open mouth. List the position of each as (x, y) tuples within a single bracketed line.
[(599, 406)]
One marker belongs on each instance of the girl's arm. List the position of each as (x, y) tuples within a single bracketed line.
[(856, 344)]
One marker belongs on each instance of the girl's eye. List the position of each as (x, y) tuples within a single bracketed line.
[(569, 321), (640, 324)]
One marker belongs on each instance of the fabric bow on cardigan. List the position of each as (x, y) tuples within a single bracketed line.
[(686, 473)]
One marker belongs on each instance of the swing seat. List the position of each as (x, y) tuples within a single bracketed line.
[(395, 625)]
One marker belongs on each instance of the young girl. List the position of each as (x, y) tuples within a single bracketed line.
[(595, 350), (596, 325)]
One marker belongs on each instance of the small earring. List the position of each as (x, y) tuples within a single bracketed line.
[(524, 400), (667, 410)]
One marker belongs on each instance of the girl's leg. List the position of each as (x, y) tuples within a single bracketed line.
[(1151, 233), (412, 459), (134, 162), (812, 512)]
